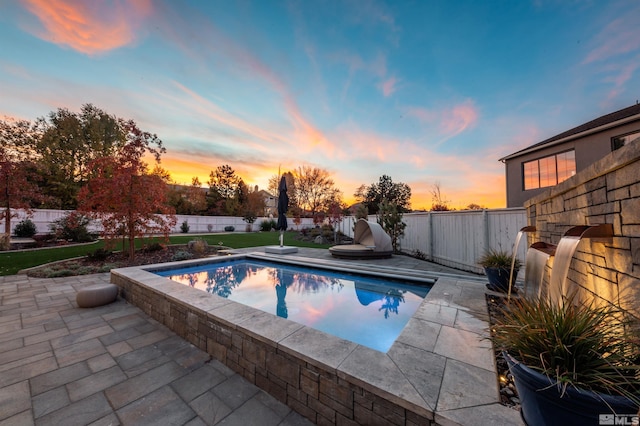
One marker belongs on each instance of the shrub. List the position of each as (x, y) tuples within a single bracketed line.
[(4, 242), (273, 223), (229, 229), (72, 227), (181, 255), (184, 228), (265, 225), (100, 254), (25, 229), (155, 246), (198, 246)]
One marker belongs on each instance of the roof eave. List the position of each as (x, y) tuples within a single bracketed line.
[(571, 137)]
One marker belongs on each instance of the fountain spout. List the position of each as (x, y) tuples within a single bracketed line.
[(565, 251)]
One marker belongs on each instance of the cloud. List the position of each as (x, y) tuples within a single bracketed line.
[(450, 121), (619, 37), (90, 27), (388, 86)]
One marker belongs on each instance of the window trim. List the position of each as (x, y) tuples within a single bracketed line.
[(555, 157)]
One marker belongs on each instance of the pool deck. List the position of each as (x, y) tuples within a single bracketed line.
[(60, 364)]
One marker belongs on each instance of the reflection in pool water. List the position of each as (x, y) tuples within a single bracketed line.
[(365, 310)]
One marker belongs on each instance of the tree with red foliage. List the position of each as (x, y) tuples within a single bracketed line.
[(17, 190), (124, 195)]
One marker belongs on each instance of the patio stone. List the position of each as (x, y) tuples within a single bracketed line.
[(77, 352), (162, 407), (210, 408), (95, 383), (464, 385), (82, 412), (28, 371), (50, 401), (59, 377), (14, 399), (138, 386), (235, 391), (465, 346), (198, 382), (100, 362)]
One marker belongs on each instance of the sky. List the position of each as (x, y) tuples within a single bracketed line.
[(430, 93)]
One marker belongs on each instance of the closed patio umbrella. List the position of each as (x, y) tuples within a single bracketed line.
[(283, 206)]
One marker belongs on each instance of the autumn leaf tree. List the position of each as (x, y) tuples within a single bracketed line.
[(17, 187), (124, 195), (315, 190)]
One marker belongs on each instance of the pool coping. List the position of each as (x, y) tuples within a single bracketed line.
[(441, 367)]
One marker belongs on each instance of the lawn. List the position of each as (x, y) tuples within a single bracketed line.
[(13, 261)]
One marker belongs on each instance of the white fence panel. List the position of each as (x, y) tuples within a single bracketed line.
[(458, 238)]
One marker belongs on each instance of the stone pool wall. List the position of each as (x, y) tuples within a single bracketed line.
[(608, 191), (314, 390)]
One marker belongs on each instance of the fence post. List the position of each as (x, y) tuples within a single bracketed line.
[(430, 241), (485, 226)]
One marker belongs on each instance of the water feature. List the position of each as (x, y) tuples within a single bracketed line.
[(515, 254), (567, 246), (538, 255)]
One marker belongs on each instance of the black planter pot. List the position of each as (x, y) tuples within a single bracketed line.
[(499, 279), (542, 403)]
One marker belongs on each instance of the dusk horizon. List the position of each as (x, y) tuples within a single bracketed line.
[(431, 93)]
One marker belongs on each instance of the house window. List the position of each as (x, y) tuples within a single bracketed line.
[(549, 171), (620, 141)]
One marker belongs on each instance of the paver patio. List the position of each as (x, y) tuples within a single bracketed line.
[(60, 364)]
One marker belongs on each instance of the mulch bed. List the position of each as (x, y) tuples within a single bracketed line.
[(508, 393), (114, 260)]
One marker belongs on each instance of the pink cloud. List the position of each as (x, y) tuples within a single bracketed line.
[(388, 86), (459, 118), (451, 121), (620, 36), (89, 27)]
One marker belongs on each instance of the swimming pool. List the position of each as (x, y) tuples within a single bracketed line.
[(363, 309)]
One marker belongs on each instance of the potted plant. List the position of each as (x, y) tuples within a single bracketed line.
[(497, 266), (574, 363)]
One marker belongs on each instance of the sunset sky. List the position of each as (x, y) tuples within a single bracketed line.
[(424, 91)]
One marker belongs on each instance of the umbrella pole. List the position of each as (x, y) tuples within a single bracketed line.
[(281, 238)]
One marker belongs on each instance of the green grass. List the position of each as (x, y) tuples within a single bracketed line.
[(13, 261)]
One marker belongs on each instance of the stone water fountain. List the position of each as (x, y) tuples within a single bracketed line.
[(539, 253)]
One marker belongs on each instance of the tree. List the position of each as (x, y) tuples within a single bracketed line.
[(124, 195), (69, 143), (315, 190), (17, 187), (253, 206), (474, 206), (274, 183), (398, 194), (223, 189), (438, 200), (390, 218)]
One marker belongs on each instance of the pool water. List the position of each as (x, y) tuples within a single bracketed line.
[(366, 310)]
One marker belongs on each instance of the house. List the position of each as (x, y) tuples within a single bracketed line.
[(547, 163), (270, 202)]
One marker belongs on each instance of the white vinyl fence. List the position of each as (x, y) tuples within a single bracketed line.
[(42, 218), (456, 239)]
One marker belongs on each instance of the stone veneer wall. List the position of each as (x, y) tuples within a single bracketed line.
[(608, 191), (311, 390)]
